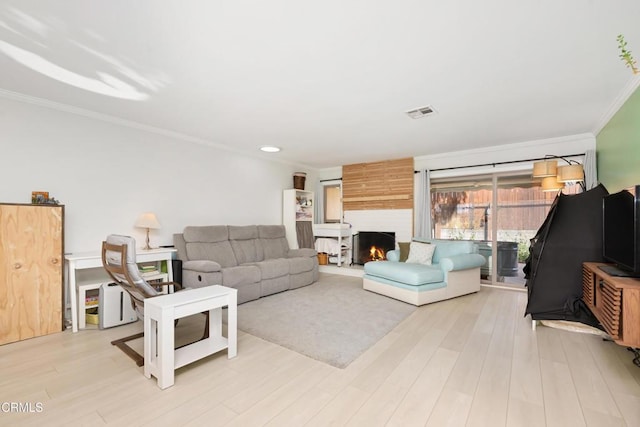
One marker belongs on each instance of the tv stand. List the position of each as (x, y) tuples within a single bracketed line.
[(612, 270), (614, 300)]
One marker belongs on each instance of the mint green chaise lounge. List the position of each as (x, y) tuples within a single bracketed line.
[(455, 271)]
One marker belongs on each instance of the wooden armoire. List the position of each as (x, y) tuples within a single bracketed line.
[(31, 271)]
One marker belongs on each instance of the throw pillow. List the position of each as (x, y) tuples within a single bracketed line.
[(421, 253), (404, 250)]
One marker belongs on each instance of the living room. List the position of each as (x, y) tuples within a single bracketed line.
[(108, 159)]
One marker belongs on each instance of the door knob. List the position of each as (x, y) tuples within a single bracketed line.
[(17, 266)]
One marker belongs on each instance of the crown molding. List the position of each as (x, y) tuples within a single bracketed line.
[(508, 147), (617, 103), (507, 157), (41, 102)]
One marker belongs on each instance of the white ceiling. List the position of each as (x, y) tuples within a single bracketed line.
[(327, 81)]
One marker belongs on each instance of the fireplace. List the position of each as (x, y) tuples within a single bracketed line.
[(372, 246)]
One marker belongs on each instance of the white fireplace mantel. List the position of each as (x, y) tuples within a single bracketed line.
[(400, 221)]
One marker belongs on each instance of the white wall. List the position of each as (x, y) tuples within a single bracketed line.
[(399, 221), (561, 146), (403, 224), (107, 174)]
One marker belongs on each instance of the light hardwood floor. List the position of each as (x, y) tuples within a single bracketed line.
[(471, 361)]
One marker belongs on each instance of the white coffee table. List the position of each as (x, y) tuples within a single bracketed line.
[(160, 357)]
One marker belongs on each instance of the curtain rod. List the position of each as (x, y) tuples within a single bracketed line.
[(505, 163), (486, 164)]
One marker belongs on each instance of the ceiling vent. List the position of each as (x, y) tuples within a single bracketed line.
[(421, 112)]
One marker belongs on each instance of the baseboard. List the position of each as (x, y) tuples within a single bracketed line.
[(344, 270)]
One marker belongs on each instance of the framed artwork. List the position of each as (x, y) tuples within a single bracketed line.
[(39, 197)]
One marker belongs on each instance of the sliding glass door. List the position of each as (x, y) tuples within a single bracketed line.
[(460, 208), (500, 212), (521, 208)]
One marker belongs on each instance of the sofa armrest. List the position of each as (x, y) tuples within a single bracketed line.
[(203, 266), (462, 262), (393, 255), (181, 246), (303, 252)]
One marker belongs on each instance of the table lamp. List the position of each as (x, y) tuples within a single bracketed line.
[(147, 220)]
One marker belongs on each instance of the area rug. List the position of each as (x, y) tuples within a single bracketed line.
[(333, 320)]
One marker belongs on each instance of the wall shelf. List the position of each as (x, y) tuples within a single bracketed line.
[(297, 206)]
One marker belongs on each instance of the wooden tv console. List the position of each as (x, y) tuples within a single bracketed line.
[(615, 301)]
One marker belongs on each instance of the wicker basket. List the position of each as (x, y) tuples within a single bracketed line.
[(92, 316), (323, 258), (298, 180)]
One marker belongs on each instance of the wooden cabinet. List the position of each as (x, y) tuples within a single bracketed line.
[(615, 301), (297, 207), (31, 262)]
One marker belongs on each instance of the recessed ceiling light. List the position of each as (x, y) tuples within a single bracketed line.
[(270, 149)]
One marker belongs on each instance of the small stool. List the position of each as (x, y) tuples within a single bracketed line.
[(160, 356)]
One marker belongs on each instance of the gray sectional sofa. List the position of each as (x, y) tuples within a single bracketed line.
[(254, 259)]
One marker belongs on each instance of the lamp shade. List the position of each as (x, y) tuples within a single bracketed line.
[(545, 168), (147, 220), (570, 173), (550, 183)]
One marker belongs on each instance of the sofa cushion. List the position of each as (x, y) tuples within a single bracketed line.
[(301, 279), (220, 252), (462, 262), (447, 248), (248, 292), (304, 252), (245, 245), (209, 233), (272, 231), (410, 274), (404, 250), (209, 243), (394, 255), (273, 240), (420, 253), (300, 265), (270, 268), (204, 266), (275, 285), (242, 274)]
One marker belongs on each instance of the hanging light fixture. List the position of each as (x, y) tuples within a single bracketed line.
[(571, 173), (551, 183), (545, 168), (554, 177)]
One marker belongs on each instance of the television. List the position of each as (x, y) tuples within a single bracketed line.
[(621, 233)]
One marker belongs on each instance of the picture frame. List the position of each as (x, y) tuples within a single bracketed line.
[(39, 197)]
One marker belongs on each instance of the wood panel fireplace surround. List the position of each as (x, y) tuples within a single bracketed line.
[(372, 246)]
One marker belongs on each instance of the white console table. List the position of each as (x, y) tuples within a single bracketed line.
[(83, 262), (161, 359), (338, 231)]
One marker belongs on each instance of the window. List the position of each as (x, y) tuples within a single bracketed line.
[(500, 212), (332, 203)]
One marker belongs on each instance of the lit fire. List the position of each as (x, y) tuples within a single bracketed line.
[(376, 254)]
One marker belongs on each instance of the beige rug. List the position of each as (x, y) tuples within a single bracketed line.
[(333, 321)]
